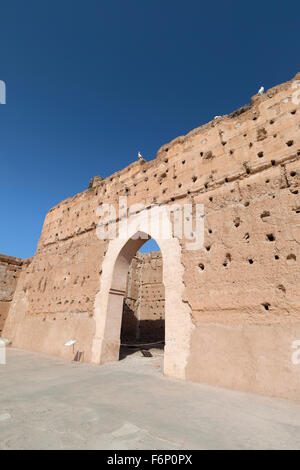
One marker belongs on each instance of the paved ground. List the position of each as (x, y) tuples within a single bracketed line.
[(48, 403)]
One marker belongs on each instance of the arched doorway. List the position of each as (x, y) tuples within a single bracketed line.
[(108, 305), (143, 318)]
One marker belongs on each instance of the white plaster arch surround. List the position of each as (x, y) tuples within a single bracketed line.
[(108, 306)]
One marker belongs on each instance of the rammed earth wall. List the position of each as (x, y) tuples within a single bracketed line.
[(232, 307)]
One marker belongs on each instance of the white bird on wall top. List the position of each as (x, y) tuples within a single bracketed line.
[(140, 156), (261, 90)]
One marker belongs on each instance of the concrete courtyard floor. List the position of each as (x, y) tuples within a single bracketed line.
[(49, 403)]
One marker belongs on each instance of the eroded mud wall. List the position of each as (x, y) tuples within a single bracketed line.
[(241, 288), (9, 273)]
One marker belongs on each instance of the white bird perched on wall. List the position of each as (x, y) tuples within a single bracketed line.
[(140, 156), (261, 90)]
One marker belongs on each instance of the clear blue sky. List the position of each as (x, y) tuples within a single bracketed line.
[(89, 83)]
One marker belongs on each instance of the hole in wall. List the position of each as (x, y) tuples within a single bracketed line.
[(265, 214), (227, 260), (281, 287), (208, 155), (261, 134), (270, 237), (237, 222)]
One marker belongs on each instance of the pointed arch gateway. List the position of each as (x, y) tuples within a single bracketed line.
[(108, 307)]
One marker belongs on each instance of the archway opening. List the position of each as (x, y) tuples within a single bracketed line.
[(143, 315), (108, 304)]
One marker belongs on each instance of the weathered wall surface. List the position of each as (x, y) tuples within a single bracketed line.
[(9, 273), (144, 304), (241, 289)]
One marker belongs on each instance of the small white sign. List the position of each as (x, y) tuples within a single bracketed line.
[(69, 343), (3, 351)]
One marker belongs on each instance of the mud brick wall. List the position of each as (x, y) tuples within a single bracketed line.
[(232, 307), (144, 304), (9, 273)]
